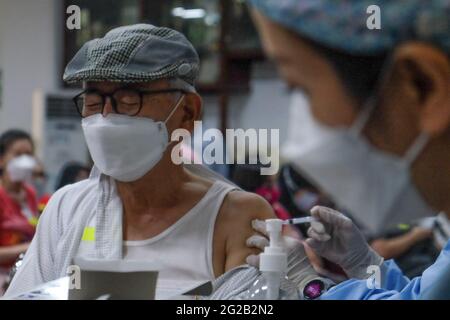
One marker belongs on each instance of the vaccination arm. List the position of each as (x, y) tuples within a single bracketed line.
[(238, 211), (241, 281)]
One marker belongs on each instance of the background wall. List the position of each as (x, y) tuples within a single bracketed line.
[(265, 106), (30, 55)]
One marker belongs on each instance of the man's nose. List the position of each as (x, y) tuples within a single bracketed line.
[(108, 108)]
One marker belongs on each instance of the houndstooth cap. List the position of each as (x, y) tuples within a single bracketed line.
[(135, 53)]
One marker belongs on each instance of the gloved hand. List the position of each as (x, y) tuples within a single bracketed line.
[(300, 271), (336, 238)]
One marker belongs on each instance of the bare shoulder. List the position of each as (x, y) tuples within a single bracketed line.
[(233, 227), (239, 206)]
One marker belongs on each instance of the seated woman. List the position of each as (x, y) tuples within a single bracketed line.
[(72, 172), (18, 204)]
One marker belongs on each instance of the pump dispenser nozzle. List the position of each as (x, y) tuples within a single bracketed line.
[(273, 261)]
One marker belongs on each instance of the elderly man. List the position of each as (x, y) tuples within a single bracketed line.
[(138, 88)]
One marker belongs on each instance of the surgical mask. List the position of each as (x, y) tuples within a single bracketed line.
[(374, 186), (125, 147), (20, 169)]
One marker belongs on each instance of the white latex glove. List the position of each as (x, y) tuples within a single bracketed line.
[(300, 271), (336, 238)]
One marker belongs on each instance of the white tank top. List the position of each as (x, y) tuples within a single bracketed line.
[(183, 252)]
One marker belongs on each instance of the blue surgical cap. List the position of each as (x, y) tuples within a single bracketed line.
[(342, 24)]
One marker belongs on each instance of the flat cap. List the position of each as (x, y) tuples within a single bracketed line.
[(135, 53)]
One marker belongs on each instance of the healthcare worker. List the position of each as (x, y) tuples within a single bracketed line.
[(374, 126), (371, 128), (139, 203)]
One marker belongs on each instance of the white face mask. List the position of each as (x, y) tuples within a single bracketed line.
[(374, 186), (125, 147), (20, 169)]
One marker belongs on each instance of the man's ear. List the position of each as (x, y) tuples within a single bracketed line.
[(192, 110), (425, 75)]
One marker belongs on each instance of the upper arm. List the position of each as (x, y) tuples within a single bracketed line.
[(237, 212)]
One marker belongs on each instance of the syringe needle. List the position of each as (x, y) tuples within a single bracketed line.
[(298, 220)]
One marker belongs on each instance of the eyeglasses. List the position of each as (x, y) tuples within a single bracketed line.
[(125, 101)]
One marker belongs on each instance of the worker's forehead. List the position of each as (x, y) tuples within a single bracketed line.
[(281, 44)]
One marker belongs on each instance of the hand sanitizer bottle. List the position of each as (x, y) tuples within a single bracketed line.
[(273, 261)]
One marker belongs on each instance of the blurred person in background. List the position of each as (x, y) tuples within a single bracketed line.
[(249, 178), (72, 172), (39, 182), (18, 202), (410, 245)]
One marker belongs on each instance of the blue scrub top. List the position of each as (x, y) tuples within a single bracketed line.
[(433, 284)]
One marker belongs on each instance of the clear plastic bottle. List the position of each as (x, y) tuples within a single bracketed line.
[(273, 285), (259, 291)]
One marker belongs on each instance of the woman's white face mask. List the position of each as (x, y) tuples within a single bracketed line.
[(125, 147), (20, 169), (374, 186)]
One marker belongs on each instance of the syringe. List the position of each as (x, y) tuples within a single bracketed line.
[(299, 220)]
